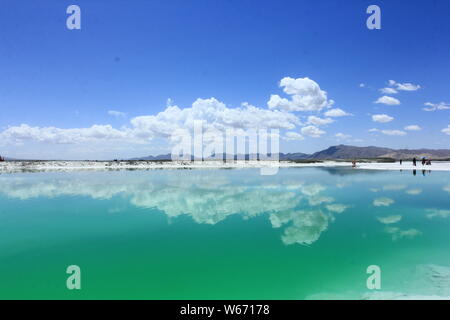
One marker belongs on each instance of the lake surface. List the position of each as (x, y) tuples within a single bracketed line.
[(305, 233)]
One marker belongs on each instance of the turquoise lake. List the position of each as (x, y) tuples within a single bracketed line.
[(304, 233)]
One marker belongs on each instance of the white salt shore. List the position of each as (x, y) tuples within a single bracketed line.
[(23, 166), (435, 166)]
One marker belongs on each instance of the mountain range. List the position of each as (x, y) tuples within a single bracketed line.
[(348, 152)]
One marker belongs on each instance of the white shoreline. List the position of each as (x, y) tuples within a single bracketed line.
[(21, 166)]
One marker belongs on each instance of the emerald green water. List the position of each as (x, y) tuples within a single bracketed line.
[(305, 233)]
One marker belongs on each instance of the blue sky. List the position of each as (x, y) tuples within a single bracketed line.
[(131, 57)]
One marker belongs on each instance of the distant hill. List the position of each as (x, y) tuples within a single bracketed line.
[(161, 157), (351, 152), (346, 152), (294, 156)]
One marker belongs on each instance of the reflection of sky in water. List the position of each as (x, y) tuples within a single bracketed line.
[(303, 209), (303, 205)]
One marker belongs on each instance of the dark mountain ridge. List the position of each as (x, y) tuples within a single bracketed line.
[(342, 152)]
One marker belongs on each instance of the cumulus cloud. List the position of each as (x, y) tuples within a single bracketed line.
[(393, 132), (413, 127), (319, 121), (117, 114), (374, 130), (174, 122), (214, 114), (342, 136), (25, 132), (404, 86), (390, 101), (305, 95), (334, 113), (388, 91), (312, 131), (446, 130), (293, 136), (383, 118), (436, 106)]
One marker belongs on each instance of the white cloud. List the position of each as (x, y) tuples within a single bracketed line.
[(342, 136), (305, 93), (383, 118), (446, 130), (383, 202), (393, 132), (390, 101), (413, 127), (404, 86), (117, 114), (293, 136), (374, 130), (362, 85), (337, 113), (319, 121), (436, 106), (215, 115), (312, 131), (25, 132), (388, 91)]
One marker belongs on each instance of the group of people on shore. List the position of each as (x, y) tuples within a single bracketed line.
[(2, 159), (425, 162)]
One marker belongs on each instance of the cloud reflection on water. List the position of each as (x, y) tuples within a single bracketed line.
[(303, 206), (303, 210)]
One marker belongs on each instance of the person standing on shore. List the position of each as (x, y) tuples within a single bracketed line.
[(401, 161), (414, 161)]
